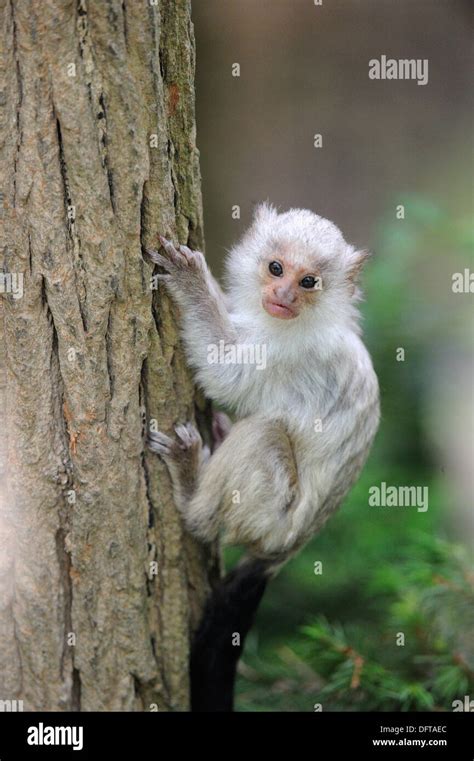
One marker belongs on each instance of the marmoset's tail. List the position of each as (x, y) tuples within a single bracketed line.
[(220, 638)]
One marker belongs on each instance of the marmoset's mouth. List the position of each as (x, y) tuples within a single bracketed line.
[(282, 311)]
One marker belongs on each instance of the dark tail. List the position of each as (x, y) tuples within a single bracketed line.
[(216, 649)]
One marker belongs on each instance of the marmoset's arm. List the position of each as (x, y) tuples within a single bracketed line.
[(205, 321)]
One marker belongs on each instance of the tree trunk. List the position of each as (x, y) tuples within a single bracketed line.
[(99, 587)]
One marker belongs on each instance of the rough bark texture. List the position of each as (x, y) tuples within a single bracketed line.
[(97, 156)]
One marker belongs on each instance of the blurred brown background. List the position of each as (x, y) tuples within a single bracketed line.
[(304, 70)]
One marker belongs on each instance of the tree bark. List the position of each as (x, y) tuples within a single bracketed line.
[(97, 156)]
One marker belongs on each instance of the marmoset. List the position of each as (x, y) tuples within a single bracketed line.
[(307, 411)]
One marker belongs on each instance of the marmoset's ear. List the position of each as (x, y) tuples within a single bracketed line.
[(356, 260)]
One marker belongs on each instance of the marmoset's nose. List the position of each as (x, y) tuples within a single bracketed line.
[(285, 291)]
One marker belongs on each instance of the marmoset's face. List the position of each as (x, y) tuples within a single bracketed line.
[(288, 287)]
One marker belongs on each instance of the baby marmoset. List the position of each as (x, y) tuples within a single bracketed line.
[(307, 416)]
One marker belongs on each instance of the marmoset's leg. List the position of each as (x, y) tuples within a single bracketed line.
[(248, 487)]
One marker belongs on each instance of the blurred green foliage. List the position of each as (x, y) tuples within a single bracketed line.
[(331, 638)]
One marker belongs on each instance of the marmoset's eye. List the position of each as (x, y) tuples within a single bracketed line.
[(308, 282), (275, 268)]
